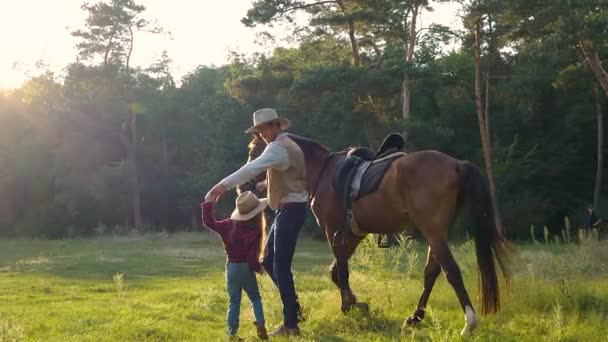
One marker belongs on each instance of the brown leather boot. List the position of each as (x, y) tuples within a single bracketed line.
[(262, 333)]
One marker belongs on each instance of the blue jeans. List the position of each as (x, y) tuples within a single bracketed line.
[(239, 276), (280, 247)]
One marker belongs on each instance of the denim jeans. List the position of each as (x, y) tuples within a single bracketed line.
[(239, 276), (280, 247)]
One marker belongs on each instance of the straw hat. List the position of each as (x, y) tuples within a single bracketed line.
[(247, 206), (267, 115)]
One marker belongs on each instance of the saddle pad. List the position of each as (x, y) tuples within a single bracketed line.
[(369, 175)]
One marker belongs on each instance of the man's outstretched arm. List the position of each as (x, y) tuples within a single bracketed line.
[(274, 157)]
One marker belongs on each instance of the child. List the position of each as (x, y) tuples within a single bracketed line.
[(243, 237)]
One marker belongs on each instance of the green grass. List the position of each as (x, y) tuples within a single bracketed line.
[(171, 288)]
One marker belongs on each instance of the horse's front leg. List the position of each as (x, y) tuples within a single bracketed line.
[(340, 278), (343, 248)]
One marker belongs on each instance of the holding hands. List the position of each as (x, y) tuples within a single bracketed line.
[(215, 193), (208, 198)]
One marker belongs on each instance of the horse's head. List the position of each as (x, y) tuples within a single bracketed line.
[(255, 148)]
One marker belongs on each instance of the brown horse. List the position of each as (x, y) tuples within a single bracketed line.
[(422, 190)]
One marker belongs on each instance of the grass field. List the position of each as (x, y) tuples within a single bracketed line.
[(171, 288)]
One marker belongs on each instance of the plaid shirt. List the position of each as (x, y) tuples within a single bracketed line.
[(241, 240)]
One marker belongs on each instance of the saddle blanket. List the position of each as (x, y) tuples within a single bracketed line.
[(369, 174)]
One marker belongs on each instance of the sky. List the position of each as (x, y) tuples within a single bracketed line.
[(203, 32)]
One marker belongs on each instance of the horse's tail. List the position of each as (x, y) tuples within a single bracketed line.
[(489, 242)]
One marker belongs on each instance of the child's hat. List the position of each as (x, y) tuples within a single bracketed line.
[(247, 206)]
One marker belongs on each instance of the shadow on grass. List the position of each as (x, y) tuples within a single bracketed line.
[(359, 323)]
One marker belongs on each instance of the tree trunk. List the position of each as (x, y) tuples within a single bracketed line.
[(107, 53), (353, 43), (165, 166), (134, 174), (482, 118), (131, 42), (352, 35), (409, 57), (131, 146), (596, 65), (128, 137), (487, 110), (405, 97), (108, 48), (600, 149)]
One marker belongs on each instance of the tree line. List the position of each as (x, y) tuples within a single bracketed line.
[(111, 147)]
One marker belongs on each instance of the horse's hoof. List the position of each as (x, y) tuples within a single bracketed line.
[(468, 328), (470, 321), (412, 321), (363, 307)]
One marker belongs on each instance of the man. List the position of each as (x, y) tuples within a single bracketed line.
[(592, 221), (283, 161)]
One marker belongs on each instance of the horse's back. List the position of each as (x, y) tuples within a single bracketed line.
[(427, 165), (418, 183)]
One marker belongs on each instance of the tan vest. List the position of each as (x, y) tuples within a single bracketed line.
[(281, 183)]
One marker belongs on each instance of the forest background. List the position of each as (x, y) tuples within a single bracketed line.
[(105, 147)]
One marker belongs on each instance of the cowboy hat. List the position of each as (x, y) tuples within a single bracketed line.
[(247, 206), (267, 115)]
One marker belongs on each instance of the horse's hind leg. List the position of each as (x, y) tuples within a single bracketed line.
[(431, 272), (442, 254), (340, 272)]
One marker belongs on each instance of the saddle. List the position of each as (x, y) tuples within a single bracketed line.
[(361, 173), (393, 143)]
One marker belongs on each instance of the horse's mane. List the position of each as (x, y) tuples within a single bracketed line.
[(308, 146)]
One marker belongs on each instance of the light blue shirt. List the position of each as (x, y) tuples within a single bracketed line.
[(275, 156)]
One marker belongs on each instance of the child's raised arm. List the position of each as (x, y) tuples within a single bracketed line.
[(210, 222)]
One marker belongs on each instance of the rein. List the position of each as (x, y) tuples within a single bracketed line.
[(314, 189)]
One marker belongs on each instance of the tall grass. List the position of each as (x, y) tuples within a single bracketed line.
[(172, 288)]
